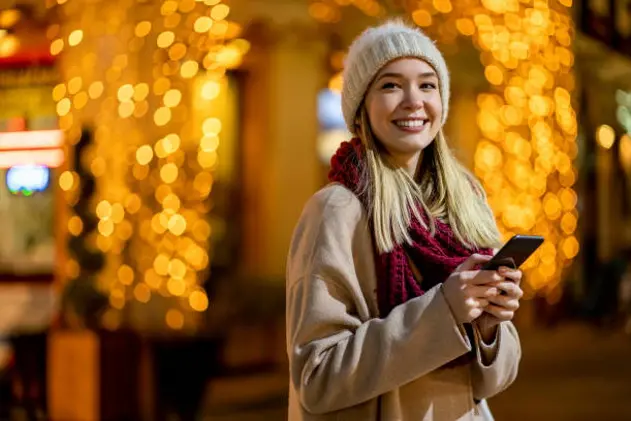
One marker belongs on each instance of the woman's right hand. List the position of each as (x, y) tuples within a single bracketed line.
[(467, 290)]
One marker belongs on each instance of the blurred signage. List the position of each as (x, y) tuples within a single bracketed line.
[(27, 179), (51, 158), (42, 147), (40, 139)]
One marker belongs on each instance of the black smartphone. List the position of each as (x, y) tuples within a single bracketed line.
[(515, 252)]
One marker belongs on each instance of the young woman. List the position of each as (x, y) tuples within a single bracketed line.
[(388, 317)]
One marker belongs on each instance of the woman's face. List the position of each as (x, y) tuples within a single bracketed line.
[(404, 109)]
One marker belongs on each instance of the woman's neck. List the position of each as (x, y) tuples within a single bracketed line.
[(410, 163)]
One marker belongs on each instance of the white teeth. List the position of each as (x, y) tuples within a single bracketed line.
[(410, 123)]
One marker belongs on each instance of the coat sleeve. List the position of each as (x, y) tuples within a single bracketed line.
[(338, 358), (495, 367)]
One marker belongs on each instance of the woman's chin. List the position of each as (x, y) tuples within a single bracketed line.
[(414, 142)]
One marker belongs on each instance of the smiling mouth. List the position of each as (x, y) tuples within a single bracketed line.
[(414, 124)]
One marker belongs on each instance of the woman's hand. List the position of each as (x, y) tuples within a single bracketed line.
[(468, 292), (501, 307)]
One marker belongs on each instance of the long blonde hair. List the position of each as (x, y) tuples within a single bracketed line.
[(442, 187)]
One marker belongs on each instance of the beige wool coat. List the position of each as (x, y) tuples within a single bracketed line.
[(346, 363)]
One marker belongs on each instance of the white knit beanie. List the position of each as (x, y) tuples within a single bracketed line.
[(375, 48)]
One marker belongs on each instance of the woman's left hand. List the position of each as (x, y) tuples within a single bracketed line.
[(501, 307)]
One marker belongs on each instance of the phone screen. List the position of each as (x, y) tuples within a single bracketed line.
[(515, 252)]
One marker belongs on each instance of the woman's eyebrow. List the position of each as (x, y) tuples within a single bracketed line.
[(399, 75)]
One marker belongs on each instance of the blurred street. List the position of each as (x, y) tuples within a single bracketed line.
[(572, 372)]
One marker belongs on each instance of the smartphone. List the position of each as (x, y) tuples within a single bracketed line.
[(515, 252)]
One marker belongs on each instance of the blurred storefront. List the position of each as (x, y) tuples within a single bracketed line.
[(31, 154), (603, 69)]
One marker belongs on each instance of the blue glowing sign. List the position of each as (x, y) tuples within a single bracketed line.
[(27, 179)]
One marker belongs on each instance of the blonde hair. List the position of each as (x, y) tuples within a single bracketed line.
[(442, 187)]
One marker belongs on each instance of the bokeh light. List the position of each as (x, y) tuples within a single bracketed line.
[(137, 109)]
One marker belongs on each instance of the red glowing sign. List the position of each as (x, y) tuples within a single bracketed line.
[(31, 148)]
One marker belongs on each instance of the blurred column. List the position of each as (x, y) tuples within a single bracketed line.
[(296, 76), (281, 169), (605, 137), (625, 161)]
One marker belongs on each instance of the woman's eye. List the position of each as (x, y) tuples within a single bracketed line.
[(389, 85), (428, 86)]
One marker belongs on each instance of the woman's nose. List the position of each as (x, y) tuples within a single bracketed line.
[(413, 99)]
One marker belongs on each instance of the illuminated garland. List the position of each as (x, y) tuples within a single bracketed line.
[(129, 71)]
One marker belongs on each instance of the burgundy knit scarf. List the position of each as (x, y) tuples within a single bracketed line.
[(435, 256)]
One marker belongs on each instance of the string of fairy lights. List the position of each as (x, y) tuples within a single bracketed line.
[(529, 129), (128, 69), (528, 126)]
